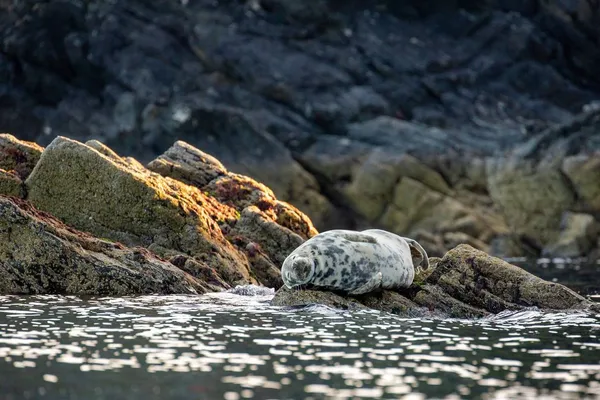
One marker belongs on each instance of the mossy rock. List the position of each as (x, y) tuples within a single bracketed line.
[(41, 255), (11, 184), (489, 283), (18, 155), (110, 198)]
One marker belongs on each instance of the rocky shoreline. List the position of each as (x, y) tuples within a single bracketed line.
[(450, 122), (79, 219)]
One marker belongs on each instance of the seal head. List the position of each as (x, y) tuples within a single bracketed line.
[(298, 270)]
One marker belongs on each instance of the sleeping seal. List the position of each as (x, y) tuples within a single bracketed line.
[(354, 262)]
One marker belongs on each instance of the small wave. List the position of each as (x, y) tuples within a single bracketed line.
[(251, 290)]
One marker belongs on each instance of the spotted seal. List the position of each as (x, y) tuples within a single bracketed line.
[(354, 262)]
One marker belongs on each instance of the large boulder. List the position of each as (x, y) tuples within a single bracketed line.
[(489, 283), (41, 255), (267, 229), (218, 226), (108, 198)]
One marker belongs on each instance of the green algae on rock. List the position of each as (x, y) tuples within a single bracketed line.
[(41, 255), (111, 199), (91, 188), (11, 184)]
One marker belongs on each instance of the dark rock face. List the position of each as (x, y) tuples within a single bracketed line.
[(342, 108)]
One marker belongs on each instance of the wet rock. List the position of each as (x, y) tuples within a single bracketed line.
[(491, 284), (435, 298), (18, 155), (289, 297), (108, 198), (11, 184), (201, 271), (41, 255)]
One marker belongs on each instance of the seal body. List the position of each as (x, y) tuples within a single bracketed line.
[(354, 262)]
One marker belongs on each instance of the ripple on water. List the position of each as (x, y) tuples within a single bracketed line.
[(236, 346)]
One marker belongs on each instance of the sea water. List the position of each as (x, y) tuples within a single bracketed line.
[(232, 346)]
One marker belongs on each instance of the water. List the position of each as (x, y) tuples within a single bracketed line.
[(228, 346)]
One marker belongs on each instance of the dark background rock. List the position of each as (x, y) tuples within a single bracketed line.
[(299, 95)]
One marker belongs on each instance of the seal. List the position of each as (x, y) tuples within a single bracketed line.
[(354, 262)]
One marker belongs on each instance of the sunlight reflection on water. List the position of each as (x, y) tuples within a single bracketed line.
[(229, 346)]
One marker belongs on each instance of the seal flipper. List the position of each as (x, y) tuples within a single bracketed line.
[(371, 285), (419, 255)]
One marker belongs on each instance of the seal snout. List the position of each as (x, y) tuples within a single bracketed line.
[(298, 271)]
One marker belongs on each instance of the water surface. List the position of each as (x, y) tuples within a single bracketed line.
[(227, 346)]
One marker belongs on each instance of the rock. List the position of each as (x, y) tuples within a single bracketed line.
[(578, 236), (201, 271), (275, 241), (188, 165), (289, 297), (373, 182), (415, 209), (532, 197), (41, 255), (453, 239), (584, 173), (240, 192), (491, 284), (435, 298), (107, 198), (11, 184), (18, 155)]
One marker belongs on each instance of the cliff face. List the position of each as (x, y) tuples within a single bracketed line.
[(451, 122)]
